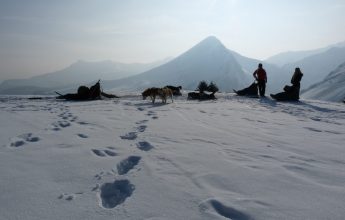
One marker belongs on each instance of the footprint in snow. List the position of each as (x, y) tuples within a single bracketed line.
[(99, 153), (22, 139), (55, 128), (83, 135), (141, 128), (17, 143), (144, 146), (64, 124), (151, 113), (129, 136), (213, 205), (110, 153), (83, 123), (69, 197), (141, 122), (114, 194), (73, 119), (104, 153), (29, 138), (127, 164)]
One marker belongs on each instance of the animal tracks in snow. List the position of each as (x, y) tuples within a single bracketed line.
[(114, 194), (144, 146), (110, 153), (141, 122), (99, 153), (213, 205), (29, 138), (69, 197), (60, 124), (141, 128), (68, 116), (64, 124), (127, 164), (104, 153), (129, 136), (152, 114), (82, 135), (23, 139)]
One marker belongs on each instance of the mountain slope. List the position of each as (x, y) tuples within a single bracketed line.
[(316, 67), (329, 89), (209, 60), (274, 73), (284, 58), (78, 73)]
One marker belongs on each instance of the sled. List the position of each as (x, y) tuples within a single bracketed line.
[(283, 97), (86, 94), (251, 91)]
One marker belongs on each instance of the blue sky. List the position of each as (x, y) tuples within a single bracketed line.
[(39, 36)]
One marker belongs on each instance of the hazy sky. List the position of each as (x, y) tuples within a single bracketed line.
[(39, 36)]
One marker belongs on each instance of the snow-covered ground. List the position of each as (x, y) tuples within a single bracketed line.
[(233, 158)]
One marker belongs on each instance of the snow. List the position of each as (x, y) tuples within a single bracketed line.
[(232, 158), (331, 88)]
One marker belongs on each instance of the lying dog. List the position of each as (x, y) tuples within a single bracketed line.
[(193, 95), (201, 96), (153, 92)]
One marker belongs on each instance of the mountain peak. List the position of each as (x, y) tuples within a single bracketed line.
[(207, 45), (211, 40)]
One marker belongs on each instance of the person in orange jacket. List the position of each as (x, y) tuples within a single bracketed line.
[(261, 76)]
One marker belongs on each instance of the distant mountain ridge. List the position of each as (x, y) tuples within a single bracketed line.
[(239, 75), (288, 57), (316, 67), (209, 60), (81, 72)]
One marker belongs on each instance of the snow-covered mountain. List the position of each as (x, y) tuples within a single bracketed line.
[(284, 58), (315, 64), (81, 72), (316, 67), (208, 60), (332, 88), (274, 74)]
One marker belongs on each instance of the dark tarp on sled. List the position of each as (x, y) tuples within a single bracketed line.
[(252, 90), (84, 93), (291, 93)]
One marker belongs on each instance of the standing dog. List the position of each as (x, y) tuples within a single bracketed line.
[(164, 93), (175, 89), (153, 92)]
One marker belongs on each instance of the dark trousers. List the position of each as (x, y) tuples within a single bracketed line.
[(262, 87)]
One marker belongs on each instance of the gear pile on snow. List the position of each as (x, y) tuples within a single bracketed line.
[(85, 93)]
